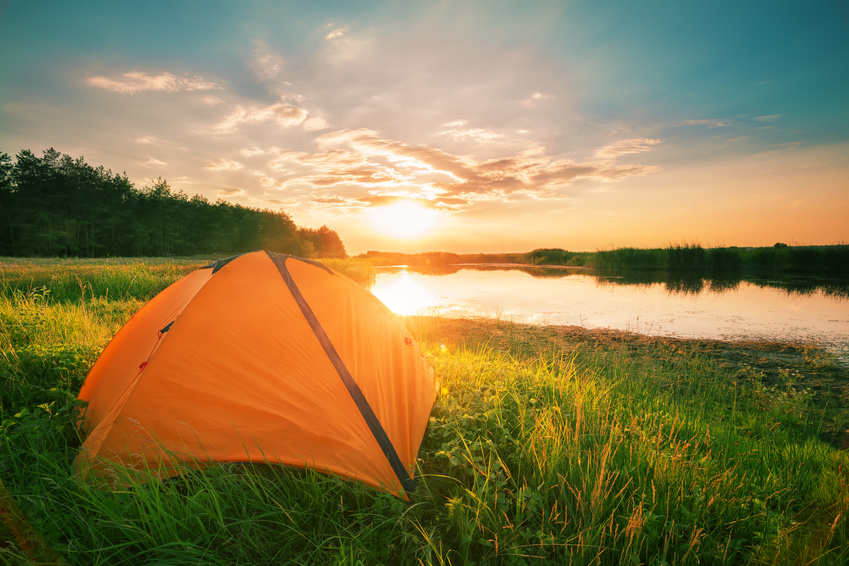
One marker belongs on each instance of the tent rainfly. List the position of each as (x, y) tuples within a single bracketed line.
[(260, 357)]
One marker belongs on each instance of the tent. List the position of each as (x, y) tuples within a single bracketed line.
[(260, 357)]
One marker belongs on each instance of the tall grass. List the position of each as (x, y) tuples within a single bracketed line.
[(540, 449), (731, 260), (110, 279), (70, 280), (692, 258)]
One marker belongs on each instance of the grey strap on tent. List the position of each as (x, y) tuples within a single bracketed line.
[(218, 264), (353, 389)]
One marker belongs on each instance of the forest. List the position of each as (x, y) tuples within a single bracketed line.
[(58, 206)]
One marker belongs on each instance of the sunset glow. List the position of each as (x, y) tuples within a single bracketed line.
[(404, 219), (500, 126)]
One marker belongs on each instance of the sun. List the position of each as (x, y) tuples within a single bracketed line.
[(404, 219)]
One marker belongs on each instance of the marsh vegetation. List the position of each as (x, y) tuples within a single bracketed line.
[(676, 259)]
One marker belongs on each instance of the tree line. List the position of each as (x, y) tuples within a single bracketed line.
[(681, 259), (58, 206)]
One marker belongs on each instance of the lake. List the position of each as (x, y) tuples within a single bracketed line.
[(786, 309)]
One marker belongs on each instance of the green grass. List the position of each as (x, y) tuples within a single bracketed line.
[(138, 279), (541, 448)]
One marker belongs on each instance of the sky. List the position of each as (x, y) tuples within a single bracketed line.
[(465, 125)]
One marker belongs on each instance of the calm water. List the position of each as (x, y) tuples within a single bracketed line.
[(793, 310)]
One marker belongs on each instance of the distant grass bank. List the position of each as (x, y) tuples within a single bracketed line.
[(545, 445), (675, 258), (694, 258)]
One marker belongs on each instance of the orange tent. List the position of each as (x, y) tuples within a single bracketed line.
[(261, 357)]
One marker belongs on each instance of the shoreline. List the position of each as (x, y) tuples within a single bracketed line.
[(786, 365)]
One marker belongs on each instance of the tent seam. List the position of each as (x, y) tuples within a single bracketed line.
[(376, 428)]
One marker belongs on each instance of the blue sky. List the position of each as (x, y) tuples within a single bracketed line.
[(504, 126)]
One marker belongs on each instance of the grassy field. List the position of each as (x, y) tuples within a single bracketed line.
[(545, 445)]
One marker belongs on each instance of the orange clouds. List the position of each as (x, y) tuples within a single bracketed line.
[(223, 165), (352, 160)]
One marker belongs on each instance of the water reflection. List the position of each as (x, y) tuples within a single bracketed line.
[(450, 269), (404, 294), (689, 284), (672, 282), (650, 302), (831, 288), (677, 283)]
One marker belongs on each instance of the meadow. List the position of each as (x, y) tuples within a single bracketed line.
[(545, 445)]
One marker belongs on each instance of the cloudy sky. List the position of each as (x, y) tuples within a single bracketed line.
[(467, 126)]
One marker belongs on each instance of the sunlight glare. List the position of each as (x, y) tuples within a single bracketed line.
[(403, 295), (405, 219)]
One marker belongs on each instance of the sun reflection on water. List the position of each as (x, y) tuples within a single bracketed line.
[(743, 311), (403, 295)]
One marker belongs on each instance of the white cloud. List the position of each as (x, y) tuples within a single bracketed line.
[(336, 33), (283, 113), (137, 81), (212, 100), (344, 49), (180, 182), (223, 165), (266, 65), (250, 152), (472, 135), (535, 99), (768, 118), (315, 124), (709, 122), (152, 162), (626, 147)]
